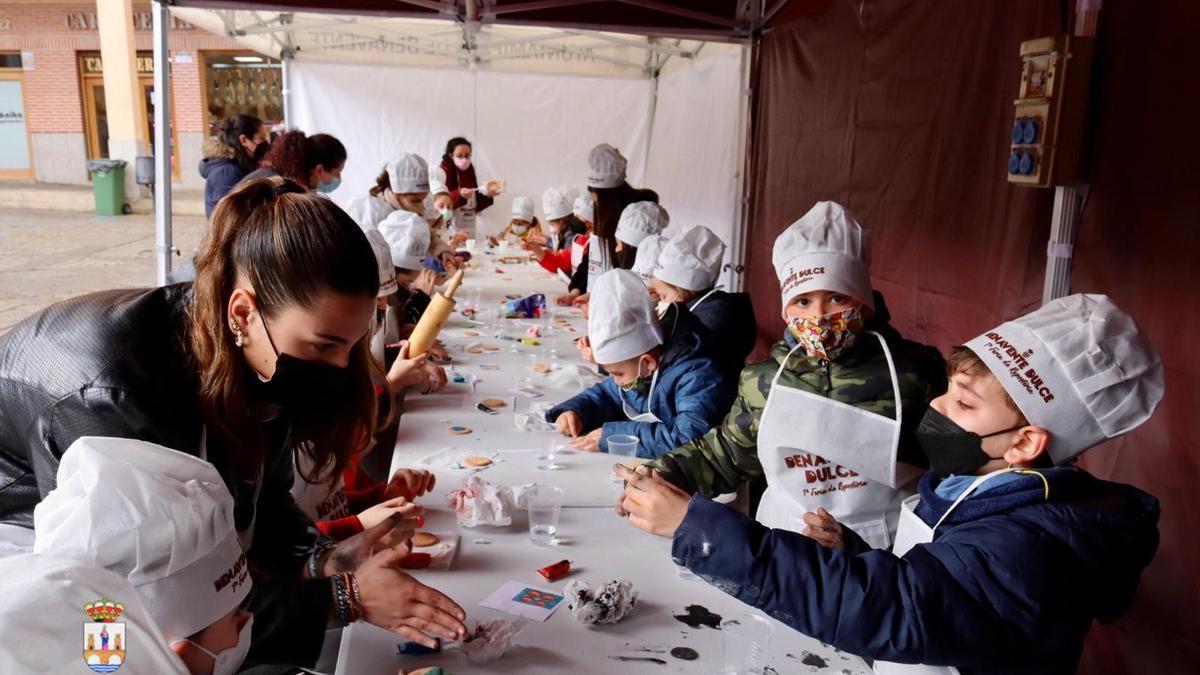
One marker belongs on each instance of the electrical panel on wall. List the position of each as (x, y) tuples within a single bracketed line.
[(1048, 126)]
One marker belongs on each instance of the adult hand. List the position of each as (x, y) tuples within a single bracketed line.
[(425, 282), (465, 193), (588, 442), (569, 424), (409, 484), (823, 528), (395, 601), (653, 504), (406, 372), (383, 510), (392, 532)]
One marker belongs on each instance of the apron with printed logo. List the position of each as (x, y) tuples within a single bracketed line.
[(598, 260), (911, 532), (325, 500), (464, 217), (818, 452)]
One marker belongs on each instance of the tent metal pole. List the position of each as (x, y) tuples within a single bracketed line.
[(289, 112), (736, 266), (162, 143)]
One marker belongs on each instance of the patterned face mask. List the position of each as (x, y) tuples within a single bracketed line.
[(827, 337)]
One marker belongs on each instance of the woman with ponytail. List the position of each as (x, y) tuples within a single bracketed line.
[(314, 162), (263, 357), (235, 151)]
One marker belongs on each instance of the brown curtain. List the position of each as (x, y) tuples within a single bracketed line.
[(900, 110)]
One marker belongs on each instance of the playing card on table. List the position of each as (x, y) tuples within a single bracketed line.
[(524, 600)]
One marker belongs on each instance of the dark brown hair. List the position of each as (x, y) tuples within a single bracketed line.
[(382, 182), (451, 145), (610, 202), (292, 247), (294, 155), (232, 129)]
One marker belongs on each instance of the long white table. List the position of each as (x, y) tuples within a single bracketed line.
[(600, 544)]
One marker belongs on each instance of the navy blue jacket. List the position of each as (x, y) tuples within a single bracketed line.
[(729, 318), (1010, 584), (220, 174), (692, 394)]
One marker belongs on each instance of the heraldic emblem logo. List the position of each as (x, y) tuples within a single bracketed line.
[(103, 636)]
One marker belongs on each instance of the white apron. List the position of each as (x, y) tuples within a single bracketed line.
[(390, 335), (319, 501), (598, 261), (578, 247), (634, 415), (911, 532), (818, 452), (464, 217)]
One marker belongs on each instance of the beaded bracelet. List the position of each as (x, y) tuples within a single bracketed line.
[(356, 596), (316, 561)]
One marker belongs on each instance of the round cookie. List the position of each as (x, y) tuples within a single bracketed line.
[(541, 368), (477, 461), (494, 402), (423, 539), (471, 333), (474, 350), (490, 348), (459, 430)]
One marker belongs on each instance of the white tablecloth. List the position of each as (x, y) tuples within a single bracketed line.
[(600, 544)]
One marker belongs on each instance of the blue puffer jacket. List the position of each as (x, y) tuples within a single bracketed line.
[(729, 318), (1010, 584), (691, 395)]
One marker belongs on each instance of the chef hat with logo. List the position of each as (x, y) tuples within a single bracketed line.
[(692, 260), (1078, 367), (44, 601), (409, 174), (522, 209), (826, 250), (383, 260), (407, 235), (622, 323), (555, 204), (584, 208), (606, 167), (647, 258), (437, 181), (161, 518), (639, 220)]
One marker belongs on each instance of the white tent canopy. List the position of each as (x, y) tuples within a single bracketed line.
[(533, 101)]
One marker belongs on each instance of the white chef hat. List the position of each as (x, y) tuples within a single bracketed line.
[(555, 204), (44, 600), (407, 235), (692, 260), (437, 181), (383, 260), (622, 323), (570, 192), (606, 167), (826, 250), (647, 257), (584, 208), (409, 174), (161, 518), (522, 209), (1078, 367), (640, 219)]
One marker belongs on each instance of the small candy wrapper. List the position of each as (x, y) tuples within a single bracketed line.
[(491, 639), (609, 603), (479, 502), (532, 307)]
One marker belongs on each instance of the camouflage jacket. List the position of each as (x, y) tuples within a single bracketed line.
[(727, 455)]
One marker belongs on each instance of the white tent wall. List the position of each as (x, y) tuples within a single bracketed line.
[(695, 161), (533, 130)]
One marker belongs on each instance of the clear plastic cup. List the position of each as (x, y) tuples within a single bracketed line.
[(545, 505), (747, 640), (624, 447)]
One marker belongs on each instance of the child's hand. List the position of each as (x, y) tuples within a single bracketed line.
[(438, 353), (459, 238), (405, 372), (450, 262), (822, 528), (584, 345), (409, 484), (536, 238), (434, 377), (566, 299), (425, 282), (653, 504), (581, 300), (493, 241), (381, 511), (569, 424), (537, 251), (588, 443)]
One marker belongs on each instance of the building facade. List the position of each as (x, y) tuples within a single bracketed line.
[(52, 104)]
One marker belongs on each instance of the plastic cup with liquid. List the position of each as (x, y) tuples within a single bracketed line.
[(545, 506), (747, 640)]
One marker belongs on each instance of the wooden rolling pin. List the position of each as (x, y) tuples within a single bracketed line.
[(440, 308)]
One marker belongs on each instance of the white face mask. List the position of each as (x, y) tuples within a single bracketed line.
[(229, 660), (662, 307), (520, 230)]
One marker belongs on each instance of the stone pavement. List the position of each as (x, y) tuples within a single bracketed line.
[(47, 256)]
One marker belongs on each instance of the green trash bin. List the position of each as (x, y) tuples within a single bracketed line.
[(108, 186)]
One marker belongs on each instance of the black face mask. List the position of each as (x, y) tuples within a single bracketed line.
[(950, 448), (260, 151), (299, 383)]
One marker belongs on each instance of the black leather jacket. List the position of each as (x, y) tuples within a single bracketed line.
[(116, 363)]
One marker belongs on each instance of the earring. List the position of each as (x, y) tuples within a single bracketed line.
[(237, 336)]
